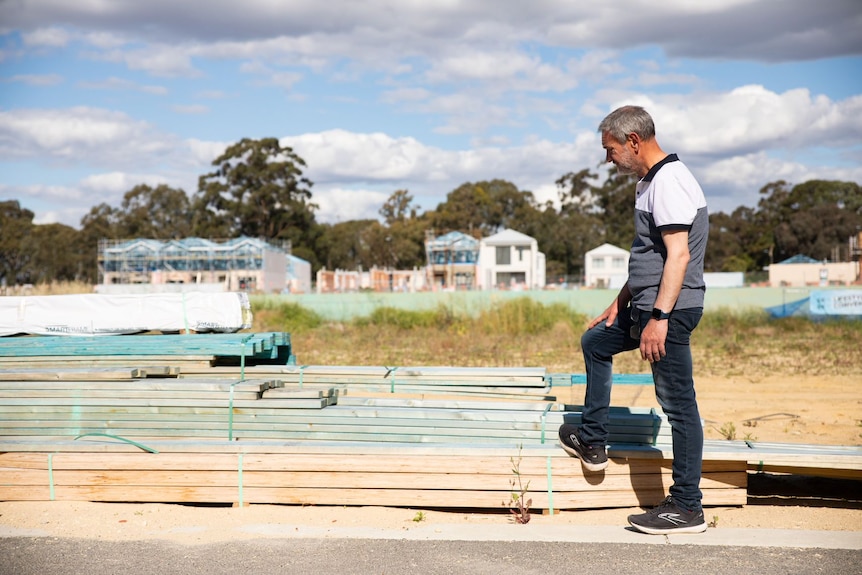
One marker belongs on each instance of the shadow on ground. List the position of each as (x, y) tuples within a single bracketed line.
[(803, 490)]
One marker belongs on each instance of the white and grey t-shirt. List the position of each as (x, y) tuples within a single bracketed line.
[(668, 198)]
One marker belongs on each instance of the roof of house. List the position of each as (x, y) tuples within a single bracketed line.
[(508, 237), (607, 249), (800, 259)]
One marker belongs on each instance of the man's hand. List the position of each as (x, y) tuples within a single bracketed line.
[(653, 338), (608, 316)]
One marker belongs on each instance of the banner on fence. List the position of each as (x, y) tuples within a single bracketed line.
[(836, 302)]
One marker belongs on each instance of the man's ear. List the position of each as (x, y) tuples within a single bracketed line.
[(634, 141)]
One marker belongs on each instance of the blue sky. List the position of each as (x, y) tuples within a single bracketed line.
[(97, 96)]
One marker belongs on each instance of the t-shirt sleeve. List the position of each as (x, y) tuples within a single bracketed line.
[(674, 204)]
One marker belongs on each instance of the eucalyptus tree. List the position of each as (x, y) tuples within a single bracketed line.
[(16, 223), (159, 213), (257, 189)]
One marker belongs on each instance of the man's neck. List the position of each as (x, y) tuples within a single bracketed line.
[(651, 154)]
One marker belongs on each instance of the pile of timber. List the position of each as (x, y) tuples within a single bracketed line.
[(136, 403), (486, 382), (176, 350), (230, 418), (342, 474)]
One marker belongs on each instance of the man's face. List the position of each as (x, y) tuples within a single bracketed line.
[(620, 153)]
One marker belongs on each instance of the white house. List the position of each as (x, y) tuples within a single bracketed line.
[(606, 266), (510, 260)]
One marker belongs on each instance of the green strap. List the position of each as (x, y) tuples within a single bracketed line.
[(301, 367), (550, 488), (544, 419), (129, 441), (391, 375), (230, 411), (51, 476), (242, 358), (239, 479)]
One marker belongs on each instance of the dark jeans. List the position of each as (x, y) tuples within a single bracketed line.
[(674, 389)]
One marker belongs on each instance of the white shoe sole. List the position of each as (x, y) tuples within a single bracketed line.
[(588, 466), (658, 531)]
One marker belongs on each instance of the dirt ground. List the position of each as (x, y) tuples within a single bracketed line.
[(817, 410)]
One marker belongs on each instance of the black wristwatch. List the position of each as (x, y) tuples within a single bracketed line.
[(659, 314)]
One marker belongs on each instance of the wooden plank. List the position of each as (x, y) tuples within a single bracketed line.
[(128, 360), (312, 460), (194, 385), (70, 374), (353, 480), (271, 403), (363, 497)]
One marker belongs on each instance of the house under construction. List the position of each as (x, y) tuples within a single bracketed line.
[(452, 260), (241, 264)]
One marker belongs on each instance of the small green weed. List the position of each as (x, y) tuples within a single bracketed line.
[(518, 506), (728, 431)]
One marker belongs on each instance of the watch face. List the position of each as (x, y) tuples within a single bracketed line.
[(656, 313)]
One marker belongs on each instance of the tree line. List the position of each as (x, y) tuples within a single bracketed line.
[(257, 189)]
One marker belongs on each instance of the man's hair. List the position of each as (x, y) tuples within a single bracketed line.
[(628, 120)]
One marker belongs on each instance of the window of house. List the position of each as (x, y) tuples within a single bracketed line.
[(504, 255), (598, 263), (521, 251), (618, 262), (510, 279)]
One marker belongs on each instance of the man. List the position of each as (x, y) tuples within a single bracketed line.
[(655, 311)]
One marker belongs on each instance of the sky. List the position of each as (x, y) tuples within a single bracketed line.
[(98, 96)]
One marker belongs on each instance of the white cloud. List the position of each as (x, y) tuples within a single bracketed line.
[(115, 83), (373, 30), (53, 37), (342, 204), (89, 136), (346, 162), (36, 79), (157, 59), (203, 153), (751, 118), (503, 88)]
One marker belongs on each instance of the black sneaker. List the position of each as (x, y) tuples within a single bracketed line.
[(594, 457), (668, 518)]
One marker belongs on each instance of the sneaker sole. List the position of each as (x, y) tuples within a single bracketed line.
[(589, 466), (658, 531)]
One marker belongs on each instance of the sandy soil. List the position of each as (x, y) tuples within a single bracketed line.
[(818, 410)]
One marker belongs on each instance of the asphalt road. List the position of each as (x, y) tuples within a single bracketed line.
[(349, 556)]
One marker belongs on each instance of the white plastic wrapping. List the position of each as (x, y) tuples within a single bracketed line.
[(101, 314)]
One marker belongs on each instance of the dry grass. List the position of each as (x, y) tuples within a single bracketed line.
[(724, 345), (53, 288), (526, 334)]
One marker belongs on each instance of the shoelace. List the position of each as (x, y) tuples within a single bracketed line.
[(661, 507)]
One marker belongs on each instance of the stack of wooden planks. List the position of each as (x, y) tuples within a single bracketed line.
[(178, 350), (342, 474), (230, 418), (135, 403), (485, 382)]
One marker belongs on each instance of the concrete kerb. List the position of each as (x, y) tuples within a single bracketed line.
[(792, 538)]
